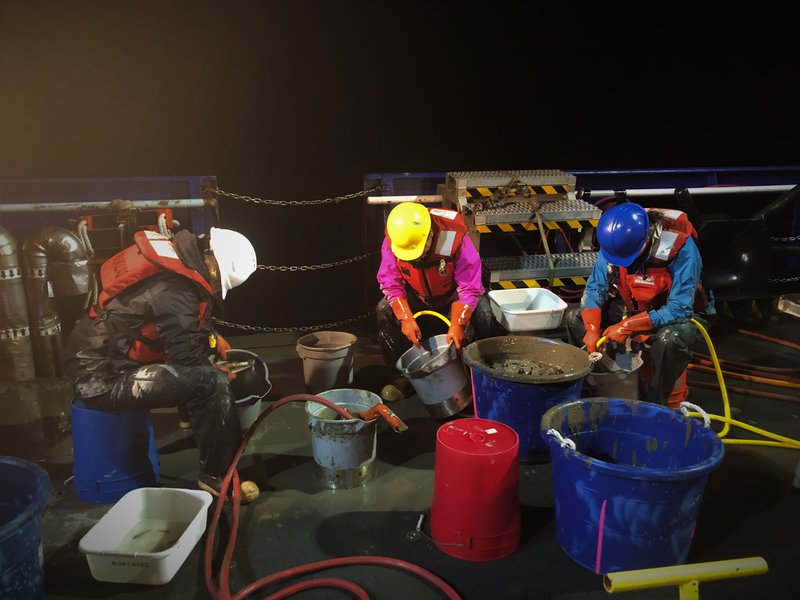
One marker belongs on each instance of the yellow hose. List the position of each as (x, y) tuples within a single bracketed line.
[(433, 313), (725, 402), (775, 439)]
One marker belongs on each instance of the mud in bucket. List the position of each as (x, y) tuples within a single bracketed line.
[(327, 359), (628, 495), (25, 492), (437, 376), (344, 449), (517, 378), (475, 513)]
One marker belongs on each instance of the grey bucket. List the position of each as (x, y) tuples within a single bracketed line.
[(327, 359), (438, 376), (615, 377), (344, 449)]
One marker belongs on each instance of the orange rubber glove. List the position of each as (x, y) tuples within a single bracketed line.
[(591, 321), (225, 369), (460, 315), (408, 323), (222, 347), (627, 327)]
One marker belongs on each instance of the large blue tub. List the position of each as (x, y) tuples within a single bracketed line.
[(24, 492), (548, 372), (628, 495)]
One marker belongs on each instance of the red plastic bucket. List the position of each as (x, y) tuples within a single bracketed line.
[(475, 513)]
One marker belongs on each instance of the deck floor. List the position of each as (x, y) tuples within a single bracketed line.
[(749, 508)]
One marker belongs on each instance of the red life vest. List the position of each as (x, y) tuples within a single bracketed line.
[(432, 277), (649, 290), (151, 253)]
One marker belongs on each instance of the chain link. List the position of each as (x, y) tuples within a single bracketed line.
[(793, 238), (785, 280), (289, 329), (332, 200), (294, 268)]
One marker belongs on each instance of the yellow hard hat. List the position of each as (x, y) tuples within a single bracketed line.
[(408, 226)]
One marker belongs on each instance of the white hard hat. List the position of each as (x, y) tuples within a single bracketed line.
[(235, 256)]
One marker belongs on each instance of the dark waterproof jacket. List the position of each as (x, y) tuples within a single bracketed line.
[(99, 346)]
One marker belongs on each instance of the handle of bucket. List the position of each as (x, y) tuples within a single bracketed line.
[(685, 406), (563, 442), (381, 410), (433, 313)]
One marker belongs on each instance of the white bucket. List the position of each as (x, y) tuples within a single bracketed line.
[(327, 359)]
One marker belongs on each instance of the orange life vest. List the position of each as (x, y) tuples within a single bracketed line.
[(649, 290), (432, 277), (151, 253)]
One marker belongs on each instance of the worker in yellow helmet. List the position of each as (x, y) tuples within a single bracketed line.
[(428, 263)]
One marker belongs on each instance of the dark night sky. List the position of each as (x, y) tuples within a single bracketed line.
[(298, 99)]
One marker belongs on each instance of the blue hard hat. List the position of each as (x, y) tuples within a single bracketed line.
[(622, 233)]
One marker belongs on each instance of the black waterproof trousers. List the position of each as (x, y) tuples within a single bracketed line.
[(205, 392)]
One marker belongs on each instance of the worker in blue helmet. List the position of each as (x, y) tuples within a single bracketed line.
[(645, 285)]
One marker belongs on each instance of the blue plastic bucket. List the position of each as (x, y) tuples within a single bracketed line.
[(517, 378), (628, 496), (24, 492), (114, 453)]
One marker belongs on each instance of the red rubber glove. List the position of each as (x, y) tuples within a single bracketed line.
[(408, 323), (591, 321), (627, 327), (460, 315)]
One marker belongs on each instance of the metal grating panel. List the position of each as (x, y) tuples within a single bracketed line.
[(500, 178), (522, 212), (535, 266)]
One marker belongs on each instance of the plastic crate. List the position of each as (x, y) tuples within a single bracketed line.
[(147, 535), (527, 309)]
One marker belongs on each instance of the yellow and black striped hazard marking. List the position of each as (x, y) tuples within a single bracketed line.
[(522, 227), (511, 284), (487, 192)]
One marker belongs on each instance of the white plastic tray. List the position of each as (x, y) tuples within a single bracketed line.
[(527, 309), (147, 535)]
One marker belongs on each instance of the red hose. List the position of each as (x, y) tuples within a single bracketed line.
[(223, 592), (741, 369), (744, 366), (761, 336), (745, 391), (383, 561), (301, 586)]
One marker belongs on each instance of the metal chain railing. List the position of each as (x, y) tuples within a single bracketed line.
[(289, 329), (784, 280), (293, 268), (296, 268), (333, 200), (793, 238)]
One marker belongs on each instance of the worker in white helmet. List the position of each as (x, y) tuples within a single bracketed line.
[(428, 263), (149, 343)]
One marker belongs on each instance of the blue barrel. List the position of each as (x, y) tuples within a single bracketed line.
[(628, 495), (24, 492), (114, 453), (517, 378)]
